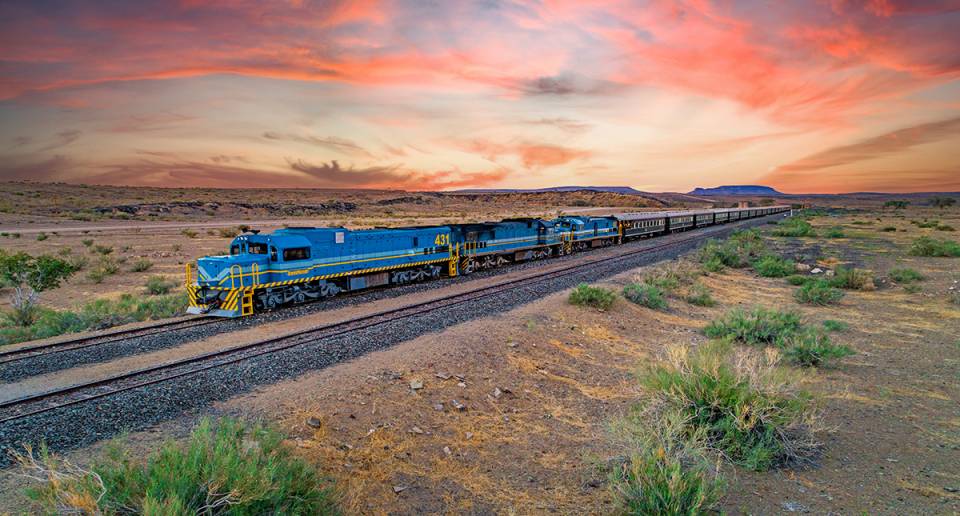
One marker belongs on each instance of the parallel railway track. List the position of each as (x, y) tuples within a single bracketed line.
[(88, 341), (32, 405)]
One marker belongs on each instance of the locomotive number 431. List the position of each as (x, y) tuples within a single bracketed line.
[(442, 239)]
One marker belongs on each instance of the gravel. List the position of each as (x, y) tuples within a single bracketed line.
[(85, 423)]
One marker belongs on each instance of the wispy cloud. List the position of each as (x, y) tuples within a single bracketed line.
[(877, 147), (341, 145)]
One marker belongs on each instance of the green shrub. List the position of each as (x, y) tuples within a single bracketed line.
[(97, 314), (713, 264), (141, 265), (818, 292), (928, 224), (835, 232), (224, 468), (813, 349), (646, 295), (927, 246), (87, 242), (905, 275), (954, 297), (832, 325), (189, 233), (227, 232), (668, 474), (102, 249), (945, 227), (158, 285), (794, 227), (852, 279), (596, 297), (772, 266), (889, 229), (738, 251), (42, 236), (740, 401), (699, 295), (759, 326), (913, 288), (799, 279)]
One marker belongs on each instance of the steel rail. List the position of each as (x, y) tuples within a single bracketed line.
[(87, 341)]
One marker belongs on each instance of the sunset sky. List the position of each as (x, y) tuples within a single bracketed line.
[(806, 96)]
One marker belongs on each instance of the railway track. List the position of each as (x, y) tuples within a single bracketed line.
[(25, 407), (39, 350)]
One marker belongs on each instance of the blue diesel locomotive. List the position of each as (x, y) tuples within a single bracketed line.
[(299, 264)]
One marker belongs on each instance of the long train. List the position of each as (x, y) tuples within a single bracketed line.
[(299, 264)]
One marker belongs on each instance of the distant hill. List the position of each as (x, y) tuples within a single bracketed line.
[(736, 190), (625, 190)]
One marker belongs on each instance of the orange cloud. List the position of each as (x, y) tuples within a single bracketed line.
[(531, 155)]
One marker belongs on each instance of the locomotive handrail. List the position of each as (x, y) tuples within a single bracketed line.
[(239, 274), (188, 274), (254, 274)]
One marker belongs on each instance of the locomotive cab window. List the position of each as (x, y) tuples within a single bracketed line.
[(296, 253), (254, 248), (235, 249)]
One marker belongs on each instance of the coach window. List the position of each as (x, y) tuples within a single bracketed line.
[(273, 254), (296, 253)]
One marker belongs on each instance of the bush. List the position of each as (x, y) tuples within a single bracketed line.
[(928, 224), (889, 229), (926, 246), (744, 405), (87, 242), (835, 232), (141, 265), (97, 314), (759, 326), (669, 473), (106, 266), (818, 292), (945, 227), (913, 288), (813, 349), (102, 250), (852, 279), (772, 266), (799, 279), (738, 251), (699, 295), (905, 275), (158, 285), (794, 227), (832, 325), (227, 232), (224, 468), (189, 233), (954, 297), (42, 236), (646, 295), (585, 295)]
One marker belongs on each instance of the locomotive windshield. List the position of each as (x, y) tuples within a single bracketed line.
[(255, 248)]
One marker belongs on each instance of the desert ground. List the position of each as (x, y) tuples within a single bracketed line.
[(541, 389)]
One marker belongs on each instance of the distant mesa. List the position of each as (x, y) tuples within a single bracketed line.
[(736, 190)]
